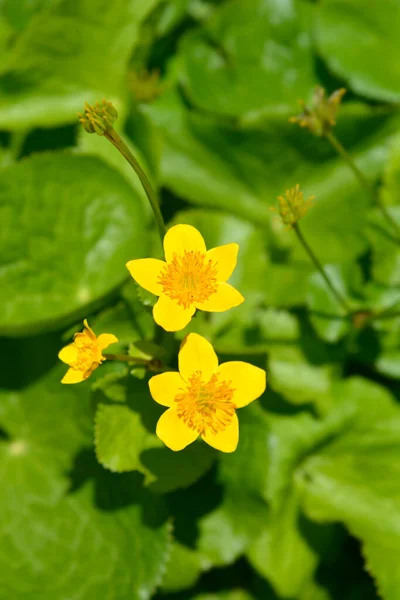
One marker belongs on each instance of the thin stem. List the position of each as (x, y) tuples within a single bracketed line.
[(153, 364), (342, 301), (120, 145), (386, 313), (341, 150)]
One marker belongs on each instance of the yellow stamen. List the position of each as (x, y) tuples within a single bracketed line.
[(88, 353), (189, 278), (206, 405)]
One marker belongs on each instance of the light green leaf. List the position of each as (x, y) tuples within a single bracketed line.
[(126, 441), (241, 170), (69, 224), (356, 37), (328, 315), (184, 568), (71, 538), (68, 54), (250, 56), (282, 553), (385, 249), (231, 595), (353, 478)]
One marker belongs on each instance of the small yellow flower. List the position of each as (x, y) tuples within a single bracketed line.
[(203, 397), (321, 116), (191, 277), (84, 355), (293, 207)]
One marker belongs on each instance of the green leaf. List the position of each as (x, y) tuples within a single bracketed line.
[(282, 544), (250, 56), (356, 37), (67, 54), (241, 170), (226, 532), (385, 249), (68, 231), (71, 538), (328, 315), (231, 595), (126, 441), (343, 481), (282, 553), (184, 568)]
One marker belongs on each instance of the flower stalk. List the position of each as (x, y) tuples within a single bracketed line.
[(341, 300), (99, 118), (341, 150), (320, 119), (152, 364)]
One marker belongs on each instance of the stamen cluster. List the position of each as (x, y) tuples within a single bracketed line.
[(189, 278), (206, 405)]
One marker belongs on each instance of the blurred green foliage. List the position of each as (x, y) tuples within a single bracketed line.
[(308, 507)]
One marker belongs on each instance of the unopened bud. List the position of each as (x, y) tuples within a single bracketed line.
[(292, 206), (321, 116), (98, 118)]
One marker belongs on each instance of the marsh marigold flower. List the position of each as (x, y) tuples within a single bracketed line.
[(192, 277), (85, 354), (203, 397)]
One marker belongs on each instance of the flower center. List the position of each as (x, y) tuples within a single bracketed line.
[(189, 278), (206, 406), (86, 352)]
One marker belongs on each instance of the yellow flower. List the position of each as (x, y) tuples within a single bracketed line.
[(191, 277), (84, 355), (203, 397), (293, 207)]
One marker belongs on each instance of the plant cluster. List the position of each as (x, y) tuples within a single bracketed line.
[(228, 425)]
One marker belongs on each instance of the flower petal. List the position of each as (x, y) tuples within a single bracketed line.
[(73, 376), (180, 238), (247, 380), (170, 315), (88, 330), (165, 387), (68, 354), (146, 271), (197, 354), (225, 258), (225, 297), (226, 440), (106, 339), (173, 432)]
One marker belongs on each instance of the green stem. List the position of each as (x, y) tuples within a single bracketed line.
[(386, 313), (341, 150), (120, 145), (153, 364), (342, 301)]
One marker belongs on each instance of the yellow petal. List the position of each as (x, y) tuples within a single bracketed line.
[(68, 354), (170, 315), (165, 387), (225, 297), (180, 238), (225, 258), (247, 380), (146, 271), (197, 354), (106, 339), (173, 432), (73, 376), (88, 330), (226, 440)]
